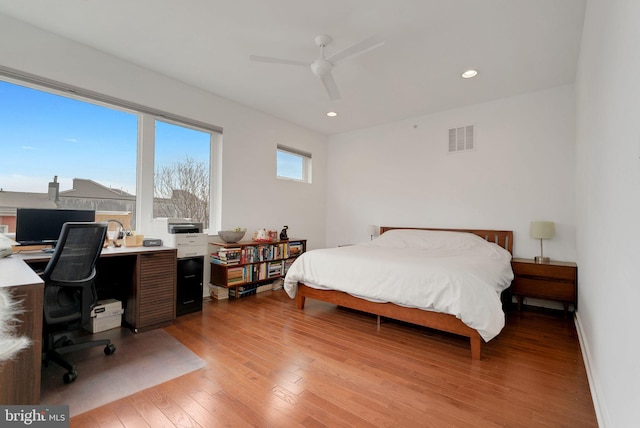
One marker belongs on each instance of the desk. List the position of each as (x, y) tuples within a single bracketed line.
[(20, 378), (143, 278)]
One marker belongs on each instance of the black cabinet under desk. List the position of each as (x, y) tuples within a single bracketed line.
[(189, 285)]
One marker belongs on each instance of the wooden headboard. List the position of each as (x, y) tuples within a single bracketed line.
[(503, 238)]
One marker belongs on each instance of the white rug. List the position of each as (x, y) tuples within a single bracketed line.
[(10, 344), (141, 361)]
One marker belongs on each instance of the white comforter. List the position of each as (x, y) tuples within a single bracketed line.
[(451, 272)]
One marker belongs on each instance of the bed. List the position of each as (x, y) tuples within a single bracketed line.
[(445, 279)]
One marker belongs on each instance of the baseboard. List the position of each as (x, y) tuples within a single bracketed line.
[(594, 385)]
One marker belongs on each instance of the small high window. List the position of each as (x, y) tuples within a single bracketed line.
[(293, 164)]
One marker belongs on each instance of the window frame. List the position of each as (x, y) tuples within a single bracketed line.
[(306, 158), (212, 142), (145, 156)]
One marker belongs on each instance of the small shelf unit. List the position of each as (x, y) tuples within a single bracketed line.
[(244, 266)]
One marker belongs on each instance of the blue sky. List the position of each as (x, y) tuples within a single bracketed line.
[(43, 135), (289, 165)]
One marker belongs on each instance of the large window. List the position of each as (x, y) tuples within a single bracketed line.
[(43, 135), (293, 164), (68, 151), (181, 185), (60, 152)]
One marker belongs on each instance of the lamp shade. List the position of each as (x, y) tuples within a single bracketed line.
[(373, 229), (542, 229)]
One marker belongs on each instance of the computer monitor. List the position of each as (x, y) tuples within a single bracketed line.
[(37, 226)]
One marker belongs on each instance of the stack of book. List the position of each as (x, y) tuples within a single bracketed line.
[(235, 275), (295, 249), (264, 287), (243, 291), (275, 269), (218, 293), (226, 256), (277, 284)]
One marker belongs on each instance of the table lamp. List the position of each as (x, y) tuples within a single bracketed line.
[(372, 228), (542, 230)]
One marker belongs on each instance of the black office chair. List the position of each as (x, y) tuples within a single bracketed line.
[(70, 294)]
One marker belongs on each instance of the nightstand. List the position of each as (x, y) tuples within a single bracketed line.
[(548, 281)]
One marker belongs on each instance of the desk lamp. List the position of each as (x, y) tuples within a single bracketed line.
[(542, 230), (118, 235)]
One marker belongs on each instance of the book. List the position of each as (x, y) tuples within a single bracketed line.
[(295, 249), (264, 287), (277, 284), (243, 291), (226, 256), (275, 269), (218, 293)]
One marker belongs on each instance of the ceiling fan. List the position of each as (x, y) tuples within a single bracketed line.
[(322, 66)]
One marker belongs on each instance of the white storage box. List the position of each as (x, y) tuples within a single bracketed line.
[(107, 314), (97, 325), (105, 308)]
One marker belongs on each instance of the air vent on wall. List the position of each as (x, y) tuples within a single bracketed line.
[(461, 139)]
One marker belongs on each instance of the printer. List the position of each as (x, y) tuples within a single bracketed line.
[(183, 234)]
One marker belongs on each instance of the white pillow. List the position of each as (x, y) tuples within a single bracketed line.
[(431, 240)]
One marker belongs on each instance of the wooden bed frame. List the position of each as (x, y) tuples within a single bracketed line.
[(435, 320)]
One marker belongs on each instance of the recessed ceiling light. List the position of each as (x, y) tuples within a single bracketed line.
[(332, 114), (469, 74)]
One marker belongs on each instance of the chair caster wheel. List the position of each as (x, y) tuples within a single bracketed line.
[(110, 349), (70, 377)]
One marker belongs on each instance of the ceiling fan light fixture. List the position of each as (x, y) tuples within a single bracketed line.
[(332, 114), (469, 74), (323, 66)]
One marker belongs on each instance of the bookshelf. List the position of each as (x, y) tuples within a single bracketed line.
[(246, 266)]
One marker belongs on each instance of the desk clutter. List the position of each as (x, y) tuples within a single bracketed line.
[(107, 314), (120, 239)]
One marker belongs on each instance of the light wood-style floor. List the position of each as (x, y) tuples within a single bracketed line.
[(271, 365)]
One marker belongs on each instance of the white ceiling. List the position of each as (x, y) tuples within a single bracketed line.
[(518, 46)]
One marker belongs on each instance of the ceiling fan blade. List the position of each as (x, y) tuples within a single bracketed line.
[(277, 60), (330, 86), (355, 50)]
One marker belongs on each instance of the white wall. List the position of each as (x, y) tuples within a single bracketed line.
[(401, 174), (608, 206), (251, 196)]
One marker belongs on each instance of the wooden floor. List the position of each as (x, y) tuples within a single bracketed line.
[(271, 365)]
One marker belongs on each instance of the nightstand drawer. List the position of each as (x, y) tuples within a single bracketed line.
[(544, 289), (558, 272), (547, 281)]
